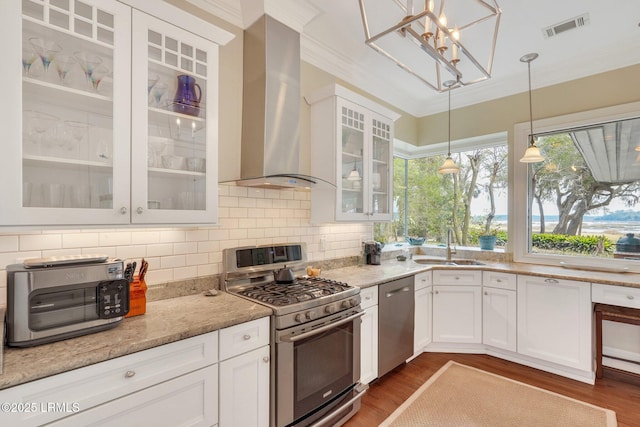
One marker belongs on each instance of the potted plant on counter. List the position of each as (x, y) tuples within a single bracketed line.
[(488, 239)]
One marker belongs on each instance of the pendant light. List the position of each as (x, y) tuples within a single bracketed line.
[(449, 166), (532, 155)]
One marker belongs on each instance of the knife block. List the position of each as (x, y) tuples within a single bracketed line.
[(137, 297)]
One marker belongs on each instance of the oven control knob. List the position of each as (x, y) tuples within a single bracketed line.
[(310, 315), (347, 304), (329, 309), (299, 318)]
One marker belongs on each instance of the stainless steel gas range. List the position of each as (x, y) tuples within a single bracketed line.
[(315, 334)]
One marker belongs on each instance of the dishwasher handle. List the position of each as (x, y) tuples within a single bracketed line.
[(397, 291)]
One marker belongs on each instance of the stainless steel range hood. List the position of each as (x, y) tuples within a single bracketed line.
[(270, 148)]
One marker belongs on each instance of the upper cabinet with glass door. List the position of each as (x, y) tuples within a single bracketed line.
[(174, 164), (358, 161), (66, 112), (74, 152)]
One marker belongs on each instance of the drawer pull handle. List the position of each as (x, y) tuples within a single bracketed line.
[(499, 280), (265, 359), (130, 374), (246, 337), (551, 281), (629, 296), (367, 297)]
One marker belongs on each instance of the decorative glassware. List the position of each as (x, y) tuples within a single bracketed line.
[(96, 76), (63, 64), (151, 82), (158, 94), (46, 50), (87, 62), (39, 124), (29, 56)]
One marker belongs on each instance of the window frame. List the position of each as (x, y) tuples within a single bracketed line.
[(522, 212), (406, 152)]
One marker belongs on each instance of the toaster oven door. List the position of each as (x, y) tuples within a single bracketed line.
[(53, 308)]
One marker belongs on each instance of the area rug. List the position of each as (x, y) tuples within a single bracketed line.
[(462, 396)]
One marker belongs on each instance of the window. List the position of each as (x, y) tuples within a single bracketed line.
[(471, 203), (580, 206)]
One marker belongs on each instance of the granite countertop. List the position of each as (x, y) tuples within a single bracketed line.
[(165, 321), (182, 317), (371, 275)]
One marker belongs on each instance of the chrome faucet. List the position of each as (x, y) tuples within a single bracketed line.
[(449, 250)]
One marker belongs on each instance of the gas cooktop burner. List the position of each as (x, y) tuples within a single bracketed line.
[(303, 289)]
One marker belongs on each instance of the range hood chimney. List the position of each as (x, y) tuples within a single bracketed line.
[(271, 107)]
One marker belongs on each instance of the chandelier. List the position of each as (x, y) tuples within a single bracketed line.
[(435, 40)]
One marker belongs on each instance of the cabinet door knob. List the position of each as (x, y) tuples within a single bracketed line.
[(129, 374), (139, 210), (265, 359), (436, 292), (486, 293), (123, 210), (246, 337)]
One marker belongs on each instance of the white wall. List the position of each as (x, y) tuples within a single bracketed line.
[(246, 217)]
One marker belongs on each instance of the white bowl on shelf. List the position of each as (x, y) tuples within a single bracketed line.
[(173, 162), (196, 164)]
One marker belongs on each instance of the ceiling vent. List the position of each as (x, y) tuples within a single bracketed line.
[(570, 24)]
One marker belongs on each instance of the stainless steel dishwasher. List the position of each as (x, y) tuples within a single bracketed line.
[(395, 323)]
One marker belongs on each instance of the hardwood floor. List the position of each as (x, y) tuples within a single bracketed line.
[(387, 393)]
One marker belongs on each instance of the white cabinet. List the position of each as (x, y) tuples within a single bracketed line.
[(188, 400), (352, 149), (457, 306), (622, 296), (499, 304), (422, 314), (369, 335), (100, 140), (554, 321), (244, 374), (183, 375)]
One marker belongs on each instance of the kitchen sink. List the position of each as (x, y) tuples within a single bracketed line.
[(442, 261)]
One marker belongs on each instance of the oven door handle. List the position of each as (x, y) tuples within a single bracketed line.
[(360, 389), (322, 328)]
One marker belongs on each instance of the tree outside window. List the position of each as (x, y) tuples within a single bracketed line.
[(471, 203)]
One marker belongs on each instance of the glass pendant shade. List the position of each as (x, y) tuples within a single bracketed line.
[(449, 166), (354, 175), (532, 154)]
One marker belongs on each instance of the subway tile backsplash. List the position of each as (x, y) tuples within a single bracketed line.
[(247, 216)]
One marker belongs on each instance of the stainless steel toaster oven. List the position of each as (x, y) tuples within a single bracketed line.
[(50, 299)]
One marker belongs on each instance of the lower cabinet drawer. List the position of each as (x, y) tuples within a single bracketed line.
[(96, 384), (189, 400), (244, 337), (622, 296)]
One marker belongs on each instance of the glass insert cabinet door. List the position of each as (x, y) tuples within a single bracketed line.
[(65, 106), (365, 155), (174, 176)]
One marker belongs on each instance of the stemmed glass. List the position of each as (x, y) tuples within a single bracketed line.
[(151, 82), (29, 56), (96, 76), (87, 62), (46, 50), (40, 123), (75, 132), (63, 64), (158, 92)]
